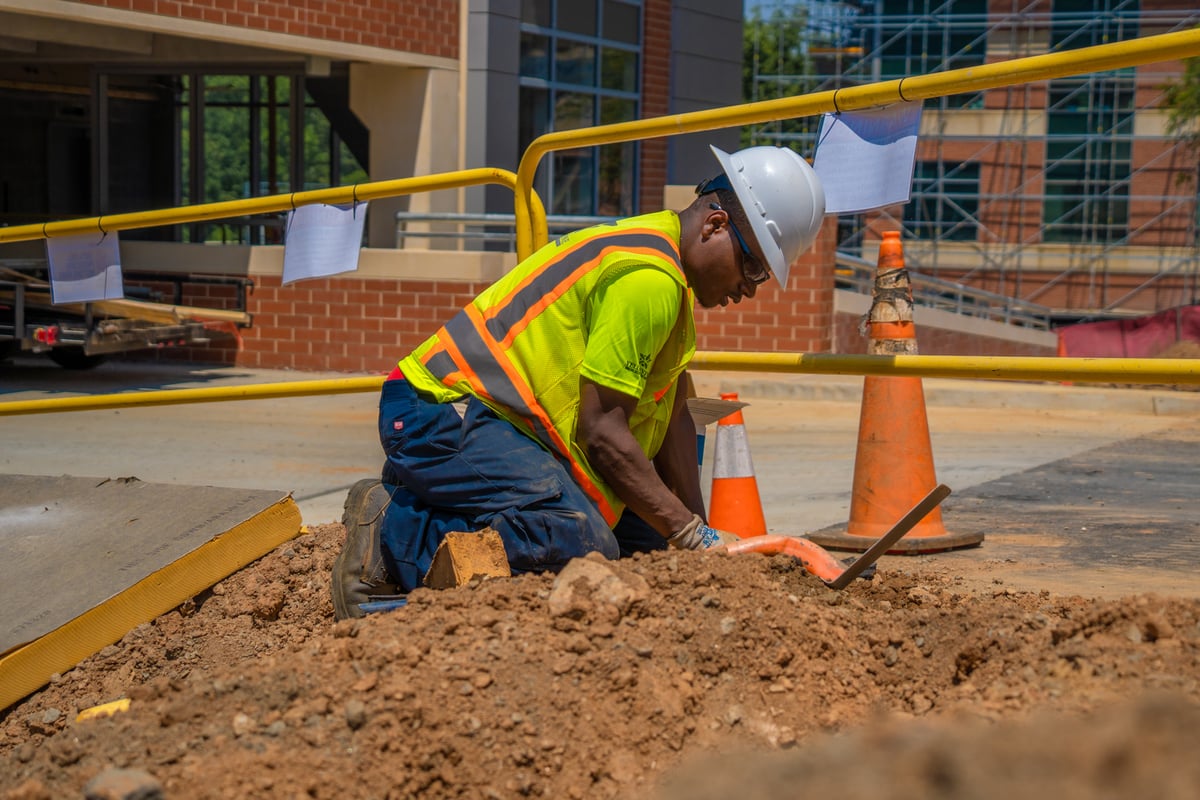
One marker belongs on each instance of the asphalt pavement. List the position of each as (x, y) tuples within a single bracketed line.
[(1026, 461)]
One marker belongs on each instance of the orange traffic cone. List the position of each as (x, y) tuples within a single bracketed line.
[(893, 467), (733, 501), (1062, 352)]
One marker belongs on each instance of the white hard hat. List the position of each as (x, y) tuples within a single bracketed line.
[(782, 198)]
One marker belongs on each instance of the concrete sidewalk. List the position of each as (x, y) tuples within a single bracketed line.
[(314, 447)]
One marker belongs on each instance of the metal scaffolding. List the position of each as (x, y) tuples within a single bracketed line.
[(1065, 192)]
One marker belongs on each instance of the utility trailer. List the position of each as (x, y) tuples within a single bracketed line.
[(81, 335)]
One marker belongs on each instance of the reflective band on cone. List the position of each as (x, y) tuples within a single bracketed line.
[(734, 504)]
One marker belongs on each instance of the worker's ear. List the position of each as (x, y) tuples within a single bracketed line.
[(715, 218)]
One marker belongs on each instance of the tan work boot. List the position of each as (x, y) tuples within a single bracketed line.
[(359, 574)]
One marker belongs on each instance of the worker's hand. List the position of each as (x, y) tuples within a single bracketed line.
[(698, 536)]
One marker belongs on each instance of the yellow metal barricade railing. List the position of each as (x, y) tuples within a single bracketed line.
[(1014, 368), (269, 204), (531, 232), (208, 394), (1007, 368)]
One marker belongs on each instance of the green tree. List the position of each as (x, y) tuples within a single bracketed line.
[(776, 63), (1182, 100)]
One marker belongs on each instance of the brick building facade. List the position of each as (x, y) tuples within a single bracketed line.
[(126, 105)]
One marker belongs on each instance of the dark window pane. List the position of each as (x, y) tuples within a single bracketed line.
[(979, 7), (534, 117), (536, 12), (615, 194), (535, 56), (351, 170), (893, 67), (622, 22), (573, 182), (575, 62), (618, 70), (1082, 23), (226, 137), (1088, 152), (317, 150), (574, 110), (944, 206), (577, 16), (618, 162), (613, 109)]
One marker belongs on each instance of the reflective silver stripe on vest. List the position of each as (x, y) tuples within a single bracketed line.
[(495, 381), (560, 269), (441, 365)]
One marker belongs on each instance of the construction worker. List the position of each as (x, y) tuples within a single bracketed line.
[(575, 435)]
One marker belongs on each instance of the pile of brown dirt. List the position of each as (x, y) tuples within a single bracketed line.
[(1182, 349), (604, 680)]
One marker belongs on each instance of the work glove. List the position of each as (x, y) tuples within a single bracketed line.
[(698, 536)]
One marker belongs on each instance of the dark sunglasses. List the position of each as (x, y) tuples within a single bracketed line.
[(749, 261)]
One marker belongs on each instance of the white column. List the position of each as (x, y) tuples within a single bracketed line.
[(412, 115)]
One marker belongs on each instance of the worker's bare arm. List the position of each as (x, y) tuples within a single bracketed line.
[(611, 449), (676, 462)]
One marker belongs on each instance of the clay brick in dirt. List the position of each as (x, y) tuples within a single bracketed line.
[(613, 676)]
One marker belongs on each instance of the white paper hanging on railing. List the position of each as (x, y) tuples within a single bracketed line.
[(865, 158), (322, 240), (85, 268)]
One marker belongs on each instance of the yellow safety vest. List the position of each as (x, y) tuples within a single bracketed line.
[(519, 345)]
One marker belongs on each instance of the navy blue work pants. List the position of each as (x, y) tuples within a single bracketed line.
[(449, 473)]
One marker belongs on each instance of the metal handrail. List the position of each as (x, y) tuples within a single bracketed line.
[(482, 226), (203, 212), (933, 292), (1098, 58)]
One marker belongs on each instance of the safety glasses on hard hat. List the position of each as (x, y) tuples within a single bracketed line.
[(752, 269)]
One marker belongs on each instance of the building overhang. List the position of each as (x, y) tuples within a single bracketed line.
[(59, 31)]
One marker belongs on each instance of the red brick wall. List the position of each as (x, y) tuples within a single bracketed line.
[(656, 89), (429, 27), (342, 324), (1083, 290), (1162, 210)]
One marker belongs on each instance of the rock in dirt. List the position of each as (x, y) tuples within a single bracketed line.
[(592, 588), (123, 784)]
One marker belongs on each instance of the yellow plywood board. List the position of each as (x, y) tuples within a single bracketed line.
[(89, 559)]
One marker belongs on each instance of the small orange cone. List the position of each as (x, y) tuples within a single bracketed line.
[(733, 500), (893, 467), (1062, 352)]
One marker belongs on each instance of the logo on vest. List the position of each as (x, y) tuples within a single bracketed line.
[(641, 368)]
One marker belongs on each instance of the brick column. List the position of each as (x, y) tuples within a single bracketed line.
[(656, 91)]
